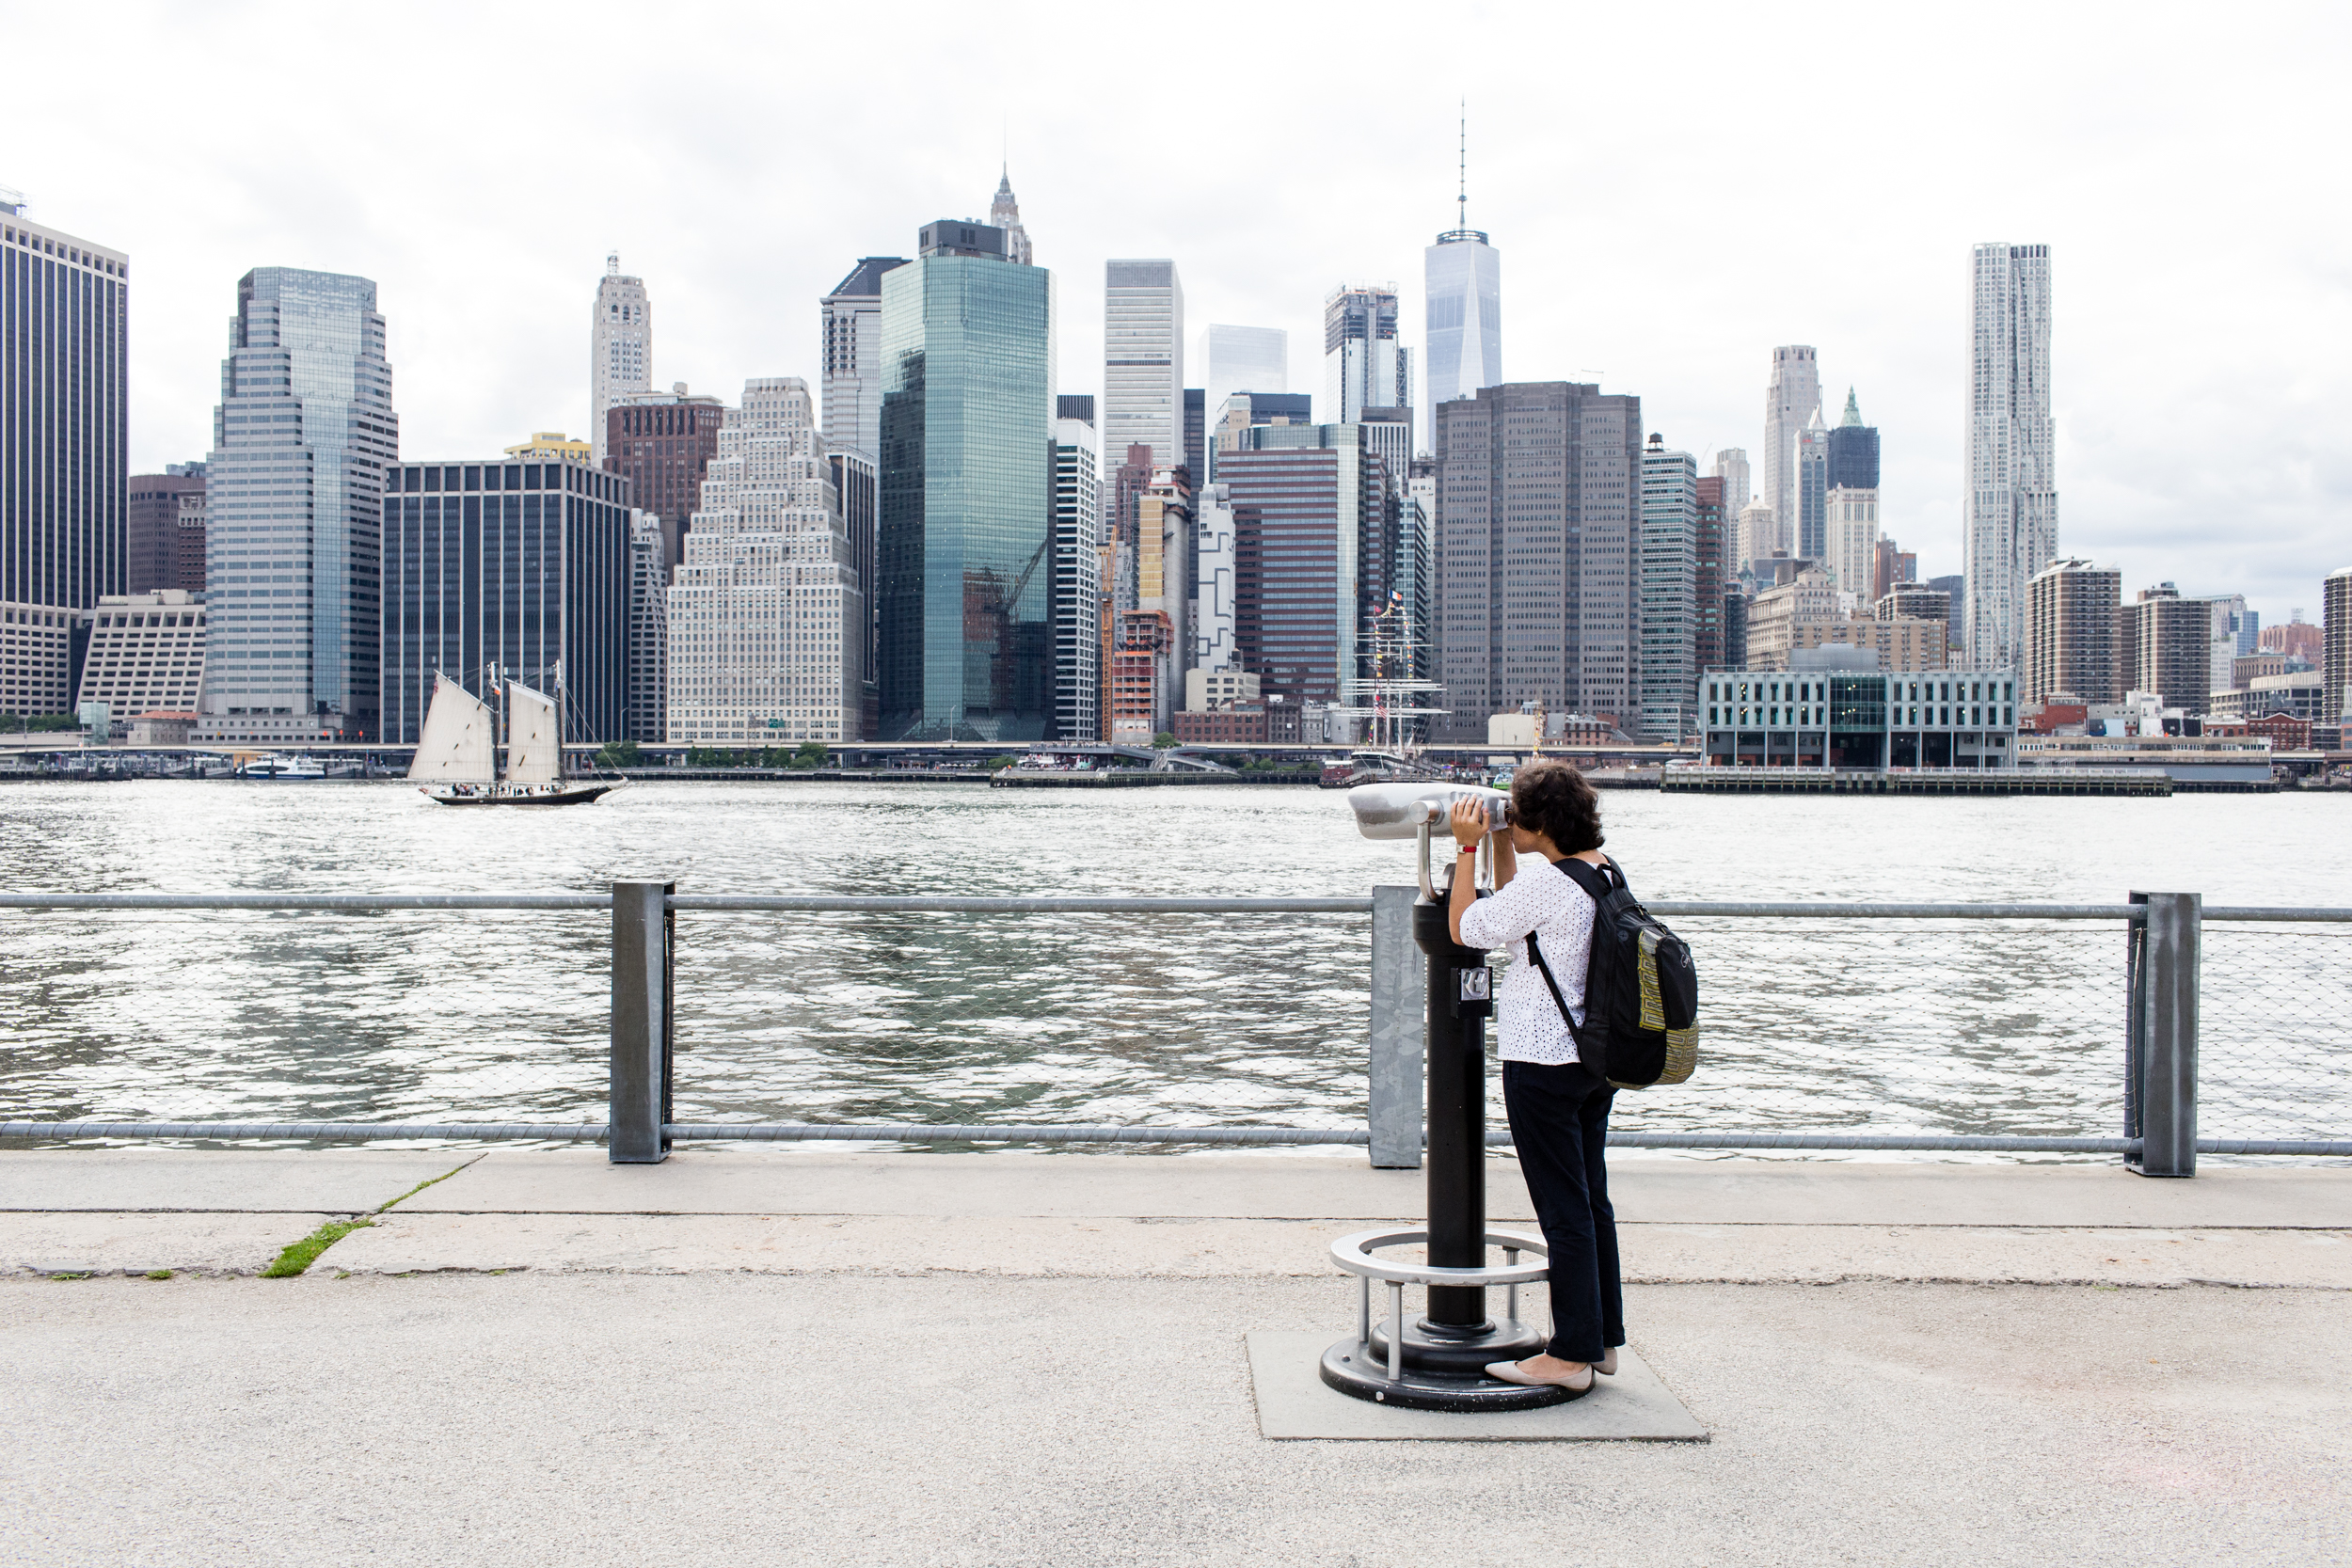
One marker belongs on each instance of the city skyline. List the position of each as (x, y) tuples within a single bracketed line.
[(2139, 428)]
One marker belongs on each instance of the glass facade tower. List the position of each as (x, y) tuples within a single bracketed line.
[(294, 492), (507, 570), (64, 456), (967, 484)]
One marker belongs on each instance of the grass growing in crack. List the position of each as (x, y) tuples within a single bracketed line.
[(422, 1186), (302, 1253), (159, 1273), (69, 1276)]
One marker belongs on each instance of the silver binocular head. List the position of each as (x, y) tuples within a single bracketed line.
[(1398, 810)]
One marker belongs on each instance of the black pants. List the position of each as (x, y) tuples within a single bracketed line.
[(1560, 1121)]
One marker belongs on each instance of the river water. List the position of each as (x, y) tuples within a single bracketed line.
[(1933, 1027)]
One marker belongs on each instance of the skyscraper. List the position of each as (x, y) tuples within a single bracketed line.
[(2073, 615), (1793, 399), (1143, 359), (1321, 540), (1077, 587), (1230, 360), (853, 354), (620, 346), (511, 569), (1850, 534), (1462, 275), (1712, 573), (857, 484), (1363, 364), (648, 681), (2010, 512), (2164, 645), (64, 454), (1005, 213), (661, 443), (294, 503), (767, 617), (1731, 466), (166, 531), (1853, 449), (1537, 487), (1759, 536), (2335, 662), (1196, 435), (966, 491), (1669, 591), (1813, 489)]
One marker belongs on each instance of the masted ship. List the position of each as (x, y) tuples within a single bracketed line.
[(456, 757)]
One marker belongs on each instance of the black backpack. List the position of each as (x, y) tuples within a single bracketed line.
[(1641, 989)]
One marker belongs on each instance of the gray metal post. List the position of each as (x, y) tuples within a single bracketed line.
[(2161, 1093), (1397, 997), (642, 946)]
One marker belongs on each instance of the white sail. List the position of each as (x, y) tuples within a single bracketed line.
[(534, 747), (459, 733)]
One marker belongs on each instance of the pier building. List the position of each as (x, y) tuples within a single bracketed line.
[(1860, 719)]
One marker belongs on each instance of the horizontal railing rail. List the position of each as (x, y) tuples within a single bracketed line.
[(795, 903), (1052, 1133), (2162, 1079)]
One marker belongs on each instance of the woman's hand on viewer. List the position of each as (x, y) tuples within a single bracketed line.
[(1468, 821)]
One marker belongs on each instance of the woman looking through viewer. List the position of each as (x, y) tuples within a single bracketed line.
[(1558, 1106)]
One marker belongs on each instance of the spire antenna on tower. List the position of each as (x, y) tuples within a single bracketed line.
[(1462, 209)]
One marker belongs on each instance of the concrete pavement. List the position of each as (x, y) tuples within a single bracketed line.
[(837, 1419), (804, 1356)]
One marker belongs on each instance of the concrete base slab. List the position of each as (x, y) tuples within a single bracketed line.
[(1295, 1401), (142, 1244), (226, 1180)]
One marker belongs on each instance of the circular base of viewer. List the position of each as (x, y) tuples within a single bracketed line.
[(1361, 1373)]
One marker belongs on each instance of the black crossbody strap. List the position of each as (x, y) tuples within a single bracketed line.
[(1535, 952)]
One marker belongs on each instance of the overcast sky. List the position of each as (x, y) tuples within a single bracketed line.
[(1674, 190)]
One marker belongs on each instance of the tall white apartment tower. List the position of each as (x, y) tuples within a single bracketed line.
[(1791, 400), (1076, 611), (1669, 556), (1462, 276), (1143, 360), (1731, 466), (853, 370), (1363, 364), (620, 346), (767, 639), (2010, 513)]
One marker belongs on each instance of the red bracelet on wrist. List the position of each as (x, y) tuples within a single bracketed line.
[(1468, 848)]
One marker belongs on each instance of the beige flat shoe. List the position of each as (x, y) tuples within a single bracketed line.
[(1578, 1382), (1607, 1365)]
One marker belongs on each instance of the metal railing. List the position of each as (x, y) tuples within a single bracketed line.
[(2157, 1027)]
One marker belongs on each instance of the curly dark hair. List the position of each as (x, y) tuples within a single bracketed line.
[(1553, 798)]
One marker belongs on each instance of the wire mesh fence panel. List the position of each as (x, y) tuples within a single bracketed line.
[(257, 1016), (2274, 1031), (1942, 1026), (1129, 1018)]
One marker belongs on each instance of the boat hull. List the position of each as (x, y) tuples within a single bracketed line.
[(516, 795)]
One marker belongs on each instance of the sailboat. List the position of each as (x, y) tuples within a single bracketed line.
[(456, 754)]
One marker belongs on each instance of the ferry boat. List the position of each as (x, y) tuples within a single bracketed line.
[(456, 755), (269, 765)]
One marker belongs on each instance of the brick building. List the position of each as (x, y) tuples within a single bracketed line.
[(165, 522), (664, 442)]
